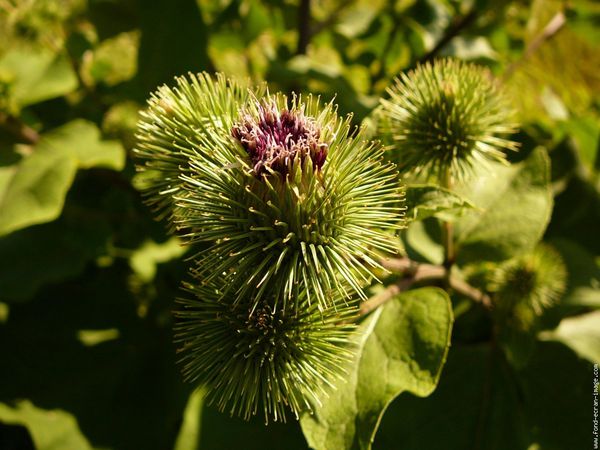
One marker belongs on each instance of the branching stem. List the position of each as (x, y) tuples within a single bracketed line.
[(555, 24), (19, 129), (414, 273)]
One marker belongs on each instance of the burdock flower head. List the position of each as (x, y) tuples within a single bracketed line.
[(276, 140), (446, 118), (262, 361), (174, 125), (282, 194), (524, 287)]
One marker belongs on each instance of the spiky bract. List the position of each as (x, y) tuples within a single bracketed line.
[(171, 128), (264, 360), (525, 286), (446, 118), (277, 188)]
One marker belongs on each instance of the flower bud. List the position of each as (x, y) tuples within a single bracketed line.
[(445, 118)]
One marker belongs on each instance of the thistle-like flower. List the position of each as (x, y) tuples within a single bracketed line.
[(527, 285), (275, 140), (264, 360), (278, 189), (445, 118)]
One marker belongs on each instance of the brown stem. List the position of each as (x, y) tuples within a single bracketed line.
[(456, 27), (447, 228), (414, 273), (19, 129), (555, 24), (303, 26), (331, 19)]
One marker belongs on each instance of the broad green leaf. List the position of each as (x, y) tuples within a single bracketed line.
[(50, 252), (581, 333), (189, 433), (36, 75), (356, 19), (583, 286), (145, 259), (402, 348), (422, 241), (515, 204), (82, 140), (483, 403), (50, 429), (424, 201), (35, 190), (113, 61)]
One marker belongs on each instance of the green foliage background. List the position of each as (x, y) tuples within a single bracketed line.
[(88, 279)]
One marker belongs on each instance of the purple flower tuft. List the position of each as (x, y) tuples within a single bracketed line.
[(279, 138)]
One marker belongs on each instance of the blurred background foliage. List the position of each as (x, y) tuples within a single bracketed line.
[(88, 279)]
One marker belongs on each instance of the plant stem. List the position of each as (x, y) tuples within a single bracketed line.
[(456, 27), (447, 228), (303, 26), (19, 129), (555, 24), (415, 272)]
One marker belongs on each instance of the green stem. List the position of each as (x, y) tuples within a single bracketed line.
[(447, 229)]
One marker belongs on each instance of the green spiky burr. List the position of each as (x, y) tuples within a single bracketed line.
[(173, 126), (266, 360), (445, 119), (524, 287)]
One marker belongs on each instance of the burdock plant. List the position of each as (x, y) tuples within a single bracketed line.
[(265, 359), (291, 210), (446, 118), (525, 286)]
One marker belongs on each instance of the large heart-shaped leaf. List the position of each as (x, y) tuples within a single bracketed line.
[(580, 333), (424, 201), (515, 203), (36, 74), (34, 189), (402, 348), (49, 429)]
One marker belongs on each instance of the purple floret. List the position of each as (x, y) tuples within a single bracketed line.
[(277, 139)]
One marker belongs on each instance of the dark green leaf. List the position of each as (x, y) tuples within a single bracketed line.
[(515, 203), (49, 429), (581, 333), (33, 190), (483, 403), (424, 201), (402, 348), (36, 75)]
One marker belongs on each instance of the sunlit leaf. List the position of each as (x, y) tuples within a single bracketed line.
[(402, 348), (35, 190), (515, 204), (50, 429)]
